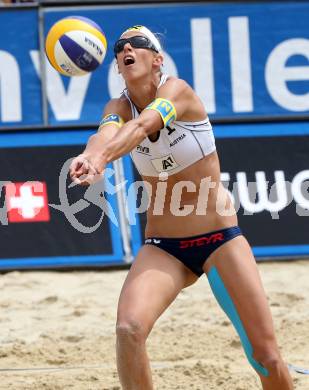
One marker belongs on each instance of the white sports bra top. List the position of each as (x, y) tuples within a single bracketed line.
[(176, 146)]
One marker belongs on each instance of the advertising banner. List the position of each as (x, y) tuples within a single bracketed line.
[(243, 60), (20, 87), (267, 175), (44, 220)]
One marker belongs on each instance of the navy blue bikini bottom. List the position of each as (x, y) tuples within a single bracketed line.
[(194, 251)]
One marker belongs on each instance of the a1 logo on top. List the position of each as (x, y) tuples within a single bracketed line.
[(75, 46)]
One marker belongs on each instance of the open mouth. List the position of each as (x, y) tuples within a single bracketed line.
[(128, 60)]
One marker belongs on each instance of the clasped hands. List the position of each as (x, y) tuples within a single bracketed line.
[(87, 168)]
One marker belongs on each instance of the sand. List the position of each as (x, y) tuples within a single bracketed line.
[(52, 320)]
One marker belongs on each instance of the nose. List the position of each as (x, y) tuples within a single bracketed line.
[(127, 46)]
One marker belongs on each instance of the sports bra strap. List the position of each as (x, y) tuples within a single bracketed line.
[(164, 77)]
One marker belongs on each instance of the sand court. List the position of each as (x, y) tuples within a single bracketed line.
[(57, 332)]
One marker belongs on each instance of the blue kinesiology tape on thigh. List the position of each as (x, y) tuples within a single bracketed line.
[(225, 301)]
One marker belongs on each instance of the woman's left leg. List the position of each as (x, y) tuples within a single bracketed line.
[(235, 281)]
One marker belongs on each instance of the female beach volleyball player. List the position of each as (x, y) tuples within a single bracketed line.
[(190, 227)]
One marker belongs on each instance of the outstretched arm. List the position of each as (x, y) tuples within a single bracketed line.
[(184, 104), (111, 143), (82, 170)]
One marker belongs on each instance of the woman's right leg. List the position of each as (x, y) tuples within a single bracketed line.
[(153, 282)]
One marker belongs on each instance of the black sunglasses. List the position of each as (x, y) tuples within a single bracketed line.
[(138, 42)]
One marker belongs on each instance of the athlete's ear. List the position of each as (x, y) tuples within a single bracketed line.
[(158, 59)]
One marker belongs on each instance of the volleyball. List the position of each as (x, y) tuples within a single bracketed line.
[(75, 46)]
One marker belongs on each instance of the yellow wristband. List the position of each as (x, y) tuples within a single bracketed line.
[(114, 119), (165, 108)]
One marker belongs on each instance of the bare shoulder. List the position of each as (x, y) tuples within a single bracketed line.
[(188, 105), (176, 86), (119, 106)]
